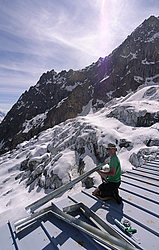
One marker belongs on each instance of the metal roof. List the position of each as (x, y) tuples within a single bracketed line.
[(140, 206)]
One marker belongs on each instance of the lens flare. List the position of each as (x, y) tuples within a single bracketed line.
[(104, 18), (104, 15)]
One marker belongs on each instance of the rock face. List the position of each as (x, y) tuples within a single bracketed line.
[(140, 109), (75, 140), (131, 117), (60, 96), (145, 154)]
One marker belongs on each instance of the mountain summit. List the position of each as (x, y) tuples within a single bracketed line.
[(60, 96)]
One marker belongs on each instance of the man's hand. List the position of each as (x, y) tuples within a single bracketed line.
[(102, 173), (105, 174)]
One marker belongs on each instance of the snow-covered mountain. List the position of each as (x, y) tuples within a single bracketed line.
[(60, 96), (61, 153)]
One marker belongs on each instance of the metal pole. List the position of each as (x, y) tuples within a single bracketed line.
[(35, 205), (102, 225), (102, 236)]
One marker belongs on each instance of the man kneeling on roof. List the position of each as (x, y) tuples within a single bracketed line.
[(111, 178)]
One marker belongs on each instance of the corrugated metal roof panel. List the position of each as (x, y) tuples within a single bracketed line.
[(140, 206)]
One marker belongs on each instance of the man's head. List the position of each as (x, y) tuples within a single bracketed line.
[(111, 148)]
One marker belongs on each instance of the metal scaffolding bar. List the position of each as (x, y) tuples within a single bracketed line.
[(35, 205), (96, 220)]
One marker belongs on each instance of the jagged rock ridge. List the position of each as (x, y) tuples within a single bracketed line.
[(60, 96)]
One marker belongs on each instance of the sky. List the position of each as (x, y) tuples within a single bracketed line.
[(37, 36)]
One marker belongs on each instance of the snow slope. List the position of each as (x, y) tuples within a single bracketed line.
[(60, 153)]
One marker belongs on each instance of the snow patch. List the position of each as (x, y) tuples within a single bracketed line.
[(20, 104), (146, 62), (58, 154), (64, 166), (152, 80), (61, 102), (100, 61), (36, 121), (151, 39), (87, 109), (138, 79), (105, 78), (133, 55), (71, 87)]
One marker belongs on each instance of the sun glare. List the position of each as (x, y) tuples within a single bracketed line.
[(104, 15), (103, 3)]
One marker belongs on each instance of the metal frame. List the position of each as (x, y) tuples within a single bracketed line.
[(97, 221), (103, 233)]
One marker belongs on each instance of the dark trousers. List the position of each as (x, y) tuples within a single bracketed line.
[(107, 188)]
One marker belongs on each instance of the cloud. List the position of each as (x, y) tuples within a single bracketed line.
[(5, 107), (53, 23)]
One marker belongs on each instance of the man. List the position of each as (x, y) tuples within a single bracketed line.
[(112, 178)]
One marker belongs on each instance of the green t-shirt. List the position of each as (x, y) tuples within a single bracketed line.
[(115, 163)]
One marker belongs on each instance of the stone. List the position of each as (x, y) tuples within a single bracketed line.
[(88, 182)]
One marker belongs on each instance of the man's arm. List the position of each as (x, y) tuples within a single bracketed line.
[(104, 174)]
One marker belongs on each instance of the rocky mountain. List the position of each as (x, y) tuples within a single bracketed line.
[(60, 96)]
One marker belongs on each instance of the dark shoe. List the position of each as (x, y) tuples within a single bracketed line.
[(117, 197)]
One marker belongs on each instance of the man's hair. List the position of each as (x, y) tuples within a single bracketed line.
[(111, 146)]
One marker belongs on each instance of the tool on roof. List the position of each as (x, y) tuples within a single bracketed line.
[(125, 226)]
